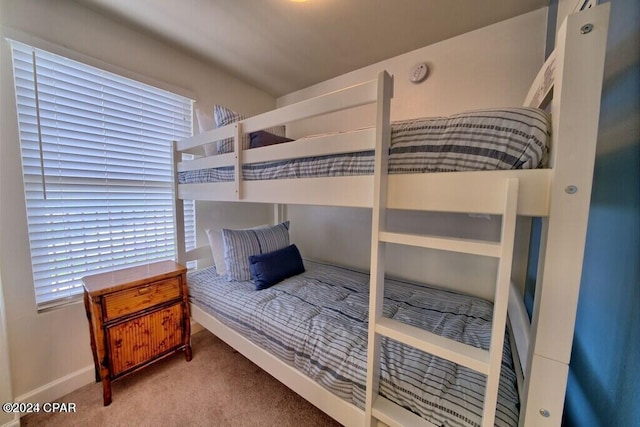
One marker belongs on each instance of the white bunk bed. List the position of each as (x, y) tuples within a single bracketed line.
[(569, 86)]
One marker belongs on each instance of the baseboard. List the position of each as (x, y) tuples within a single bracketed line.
[(195, 327), (60, 387), (65, 385)]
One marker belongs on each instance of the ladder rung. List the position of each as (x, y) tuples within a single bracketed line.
[(468, 246), (395, 415), (462, 354)]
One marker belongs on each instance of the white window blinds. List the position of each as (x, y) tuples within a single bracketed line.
[(97, 167)]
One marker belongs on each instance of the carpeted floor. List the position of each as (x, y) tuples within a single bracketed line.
[(219, 387)]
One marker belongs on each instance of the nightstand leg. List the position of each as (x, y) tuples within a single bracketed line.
[(187, 353), (87, 307), (106, 391), (186, 323)]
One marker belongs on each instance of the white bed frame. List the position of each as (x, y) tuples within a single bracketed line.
[(570, 84)]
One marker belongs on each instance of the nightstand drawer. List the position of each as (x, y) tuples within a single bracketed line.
[(133, 300)]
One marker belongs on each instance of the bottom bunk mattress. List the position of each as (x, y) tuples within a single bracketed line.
[(317, 322)]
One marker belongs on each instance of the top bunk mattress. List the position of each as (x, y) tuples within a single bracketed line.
[(495, 139), (317, 322)]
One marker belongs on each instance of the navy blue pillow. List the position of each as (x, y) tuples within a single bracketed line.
[(273, 267), (263, 138)]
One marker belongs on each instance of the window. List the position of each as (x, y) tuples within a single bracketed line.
[(97, 166)]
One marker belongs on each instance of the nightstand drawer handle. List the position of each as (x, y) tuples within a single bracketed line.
[(145, 290)]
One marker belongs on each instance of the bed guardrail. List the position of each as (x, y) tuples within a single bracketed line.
[(359, 140)]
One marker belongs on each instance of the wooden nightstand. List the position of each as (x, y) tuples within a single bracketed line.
[(136, 316)]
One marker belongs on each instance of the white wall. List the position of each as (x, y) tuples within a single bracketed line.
[(6, 394), (490, 67), (50, 353)]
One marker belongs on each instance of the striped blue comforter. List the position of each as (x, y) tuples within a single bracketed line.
[(513, 138), (317, 322)]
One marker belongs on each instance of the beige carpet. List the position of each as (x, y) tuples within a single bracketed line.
[(219, 387)]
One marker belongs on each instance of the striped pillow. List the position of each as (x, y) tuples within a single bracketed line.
[(224, 116), (239, 245), (217, 248)]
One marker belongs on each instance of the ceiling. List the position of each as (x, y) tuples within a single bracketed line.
[(281, 46)]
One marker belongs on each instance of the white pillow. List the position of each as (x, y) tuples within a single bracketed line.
[(206, 122), (223, 117), (239, 245), (217, 250)]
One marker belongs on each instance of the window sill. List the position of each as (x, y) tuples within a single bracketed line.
[(60, 303)]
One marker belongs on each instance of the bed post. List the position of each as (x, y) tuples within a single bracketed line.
[(279, 213), (178, 208), (237, 149), (580, 52), (378, 223)]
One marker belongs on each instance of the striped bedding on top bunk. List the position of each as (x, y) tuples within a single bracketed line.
[(511, 138), (317, 322)]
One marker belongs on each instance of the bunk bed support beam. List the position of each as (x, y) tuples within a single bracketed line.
[(575, 111), (501, 300), (458, 191), (178, 206), (378, 223), (237, 159)]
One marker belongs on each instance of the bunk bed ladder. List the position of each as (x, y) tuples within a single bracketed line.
[(483, 361)]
